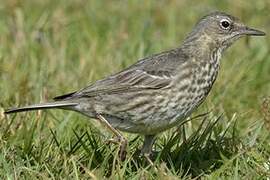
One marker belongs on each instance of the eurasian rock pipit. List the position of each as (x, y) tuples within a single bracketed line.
[(160, 91)]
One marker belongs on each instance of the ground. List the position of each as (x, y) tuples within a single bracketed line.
[(48, 48)]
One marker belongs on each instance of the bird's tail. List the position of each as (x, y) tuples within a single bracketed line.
[(49, 105)]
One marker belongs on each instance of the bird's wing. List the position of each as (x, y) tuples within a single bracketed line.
[(154, 72), (131, 80)]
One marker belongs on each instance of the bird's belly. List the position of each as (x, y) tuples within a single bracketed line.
[(164, 117), (162, 113), (139, 112), (173, 110), (148, 112)]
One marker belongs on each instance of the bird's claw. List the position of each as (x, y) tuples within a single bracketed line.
[(123, 145)]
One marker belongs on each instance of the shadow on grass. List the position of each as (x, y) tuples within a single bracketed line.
[(201, 152)]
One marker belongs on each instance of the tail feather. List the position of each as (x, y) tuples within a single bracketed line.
[(48, 105)]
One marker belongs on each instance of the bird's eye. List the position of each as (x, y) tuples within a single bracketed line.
[(225, 24)]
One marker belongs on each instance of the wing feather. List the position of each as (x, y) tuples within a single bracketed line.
[(126, 81), (154, 72)]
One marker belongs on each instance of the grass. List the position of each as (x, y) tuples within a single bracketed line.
[(48, 48)]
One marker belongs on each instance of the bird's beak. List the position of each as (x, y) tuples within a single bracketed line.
[(251, 32)]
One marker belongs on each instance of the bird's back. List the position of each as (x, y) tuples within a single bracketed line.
[(153, 72)]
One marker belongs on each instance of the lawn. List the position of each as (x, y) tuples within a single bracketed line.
[(48, 48)]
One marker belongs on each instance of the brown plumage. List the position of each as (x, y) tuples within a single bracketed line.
[(159, 91)]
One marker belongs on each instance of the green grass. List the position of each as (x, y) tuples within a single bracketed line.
[(48, 48)]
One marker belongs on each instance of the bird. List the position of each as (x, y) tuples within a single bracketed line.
[(160, 91)]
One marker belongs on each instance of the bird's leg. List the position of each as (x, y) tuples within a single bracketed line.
[(119, 137), (148, 144), (147, 147)]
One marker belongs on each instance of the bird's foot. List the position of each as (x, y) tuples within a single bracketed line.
[(149, 159), (148, 156), (122, 141)]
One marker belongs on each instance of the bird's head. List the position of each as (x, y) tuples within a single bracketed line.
[(221, 29)]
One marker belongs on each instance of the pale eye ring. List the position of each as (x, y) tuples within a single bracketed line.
[(225, 24)]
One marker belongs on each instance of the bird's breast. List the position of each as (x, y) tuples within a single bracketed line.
[(190, 89)]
